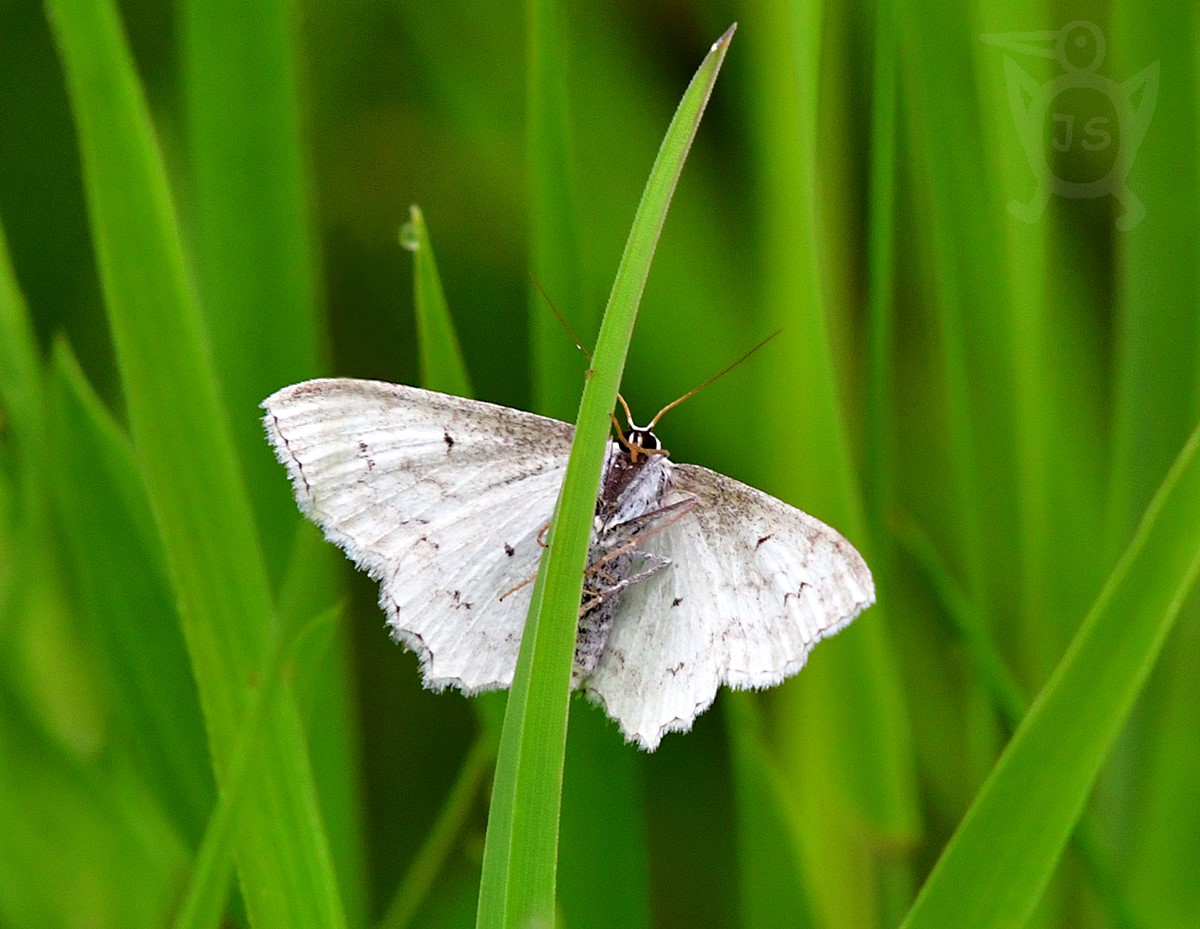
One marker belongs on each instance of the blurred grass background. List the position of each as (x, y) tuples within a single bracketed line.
[(984, 406)]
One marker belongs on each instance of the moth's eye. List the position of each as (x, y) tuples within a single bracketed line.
[(644, 438)]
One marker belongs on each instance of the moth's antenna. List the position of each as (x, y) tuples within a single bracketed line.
[(562, 319), (695, 390), (579, 345), (628, 415)]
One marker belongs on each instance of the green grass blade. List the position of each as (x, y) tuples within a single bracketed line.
[(256, 269), (80, 842), (976, 339), (442, 368), (773, 895), (204, 903), (19, 384), (45, 658), (520, 854), (1057, 377), (597, 764), (448, 828), (1155, 402), (1156, 357), (23, 419), (125, 589), (187, 455), (553, 216), (1010, 704), (254, 259), (842, 722), (442, 364), (20, 363), (997, 864), (881, 259)]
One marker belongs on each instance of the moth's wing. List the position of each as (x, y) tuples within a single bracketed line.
[(438, 498), (753, 584)]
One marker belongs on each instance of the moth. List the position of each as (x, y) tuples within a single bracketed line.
[(694, 579)]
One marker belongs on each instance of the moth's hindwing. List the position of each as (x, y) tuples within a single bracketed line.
[(753, 584)]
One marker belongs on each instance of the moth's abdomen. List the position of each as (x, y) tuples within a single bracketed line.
[(596, 613)]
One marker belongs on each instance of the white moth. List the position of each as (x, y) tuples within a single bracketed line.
[(694, 580)]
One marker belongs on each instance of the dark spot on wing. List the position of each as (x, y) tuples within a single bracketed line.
[(796, 593), (765, 538), (677, 601), (675, 670), (459, 602), (429, 541), (508, 550)]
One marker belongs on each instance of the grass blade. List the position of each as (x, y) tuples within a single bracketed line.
[(248, 208), (843, 722), (1155, 402), (47, 661), (22, 417), (79, 825), (253, 247), (554, 233), (998, 862), (20, 364), (77, 840), (448, 828), (597, 764), (1010, 704), (188, 460), (204, 902), (520, 854), (442, 368), (442, 364), (881, 259), (773, 896), (126, 591)]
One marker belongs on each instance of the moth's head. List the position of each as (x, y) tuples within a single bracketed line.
[(639, 441), (643, 438)]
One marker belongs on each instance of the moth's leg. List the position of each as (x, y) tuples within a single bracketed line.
[(666, 517), (602, 574), (674, 510), (654, 564), (512, 590), (541, 541), (588, 605), (586, 590)]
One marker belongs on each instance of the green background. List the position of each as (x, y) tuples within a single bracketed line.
[(986, 407)]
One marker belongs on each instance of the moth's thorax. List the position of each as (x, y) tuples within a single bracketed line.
[(629, 488)]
